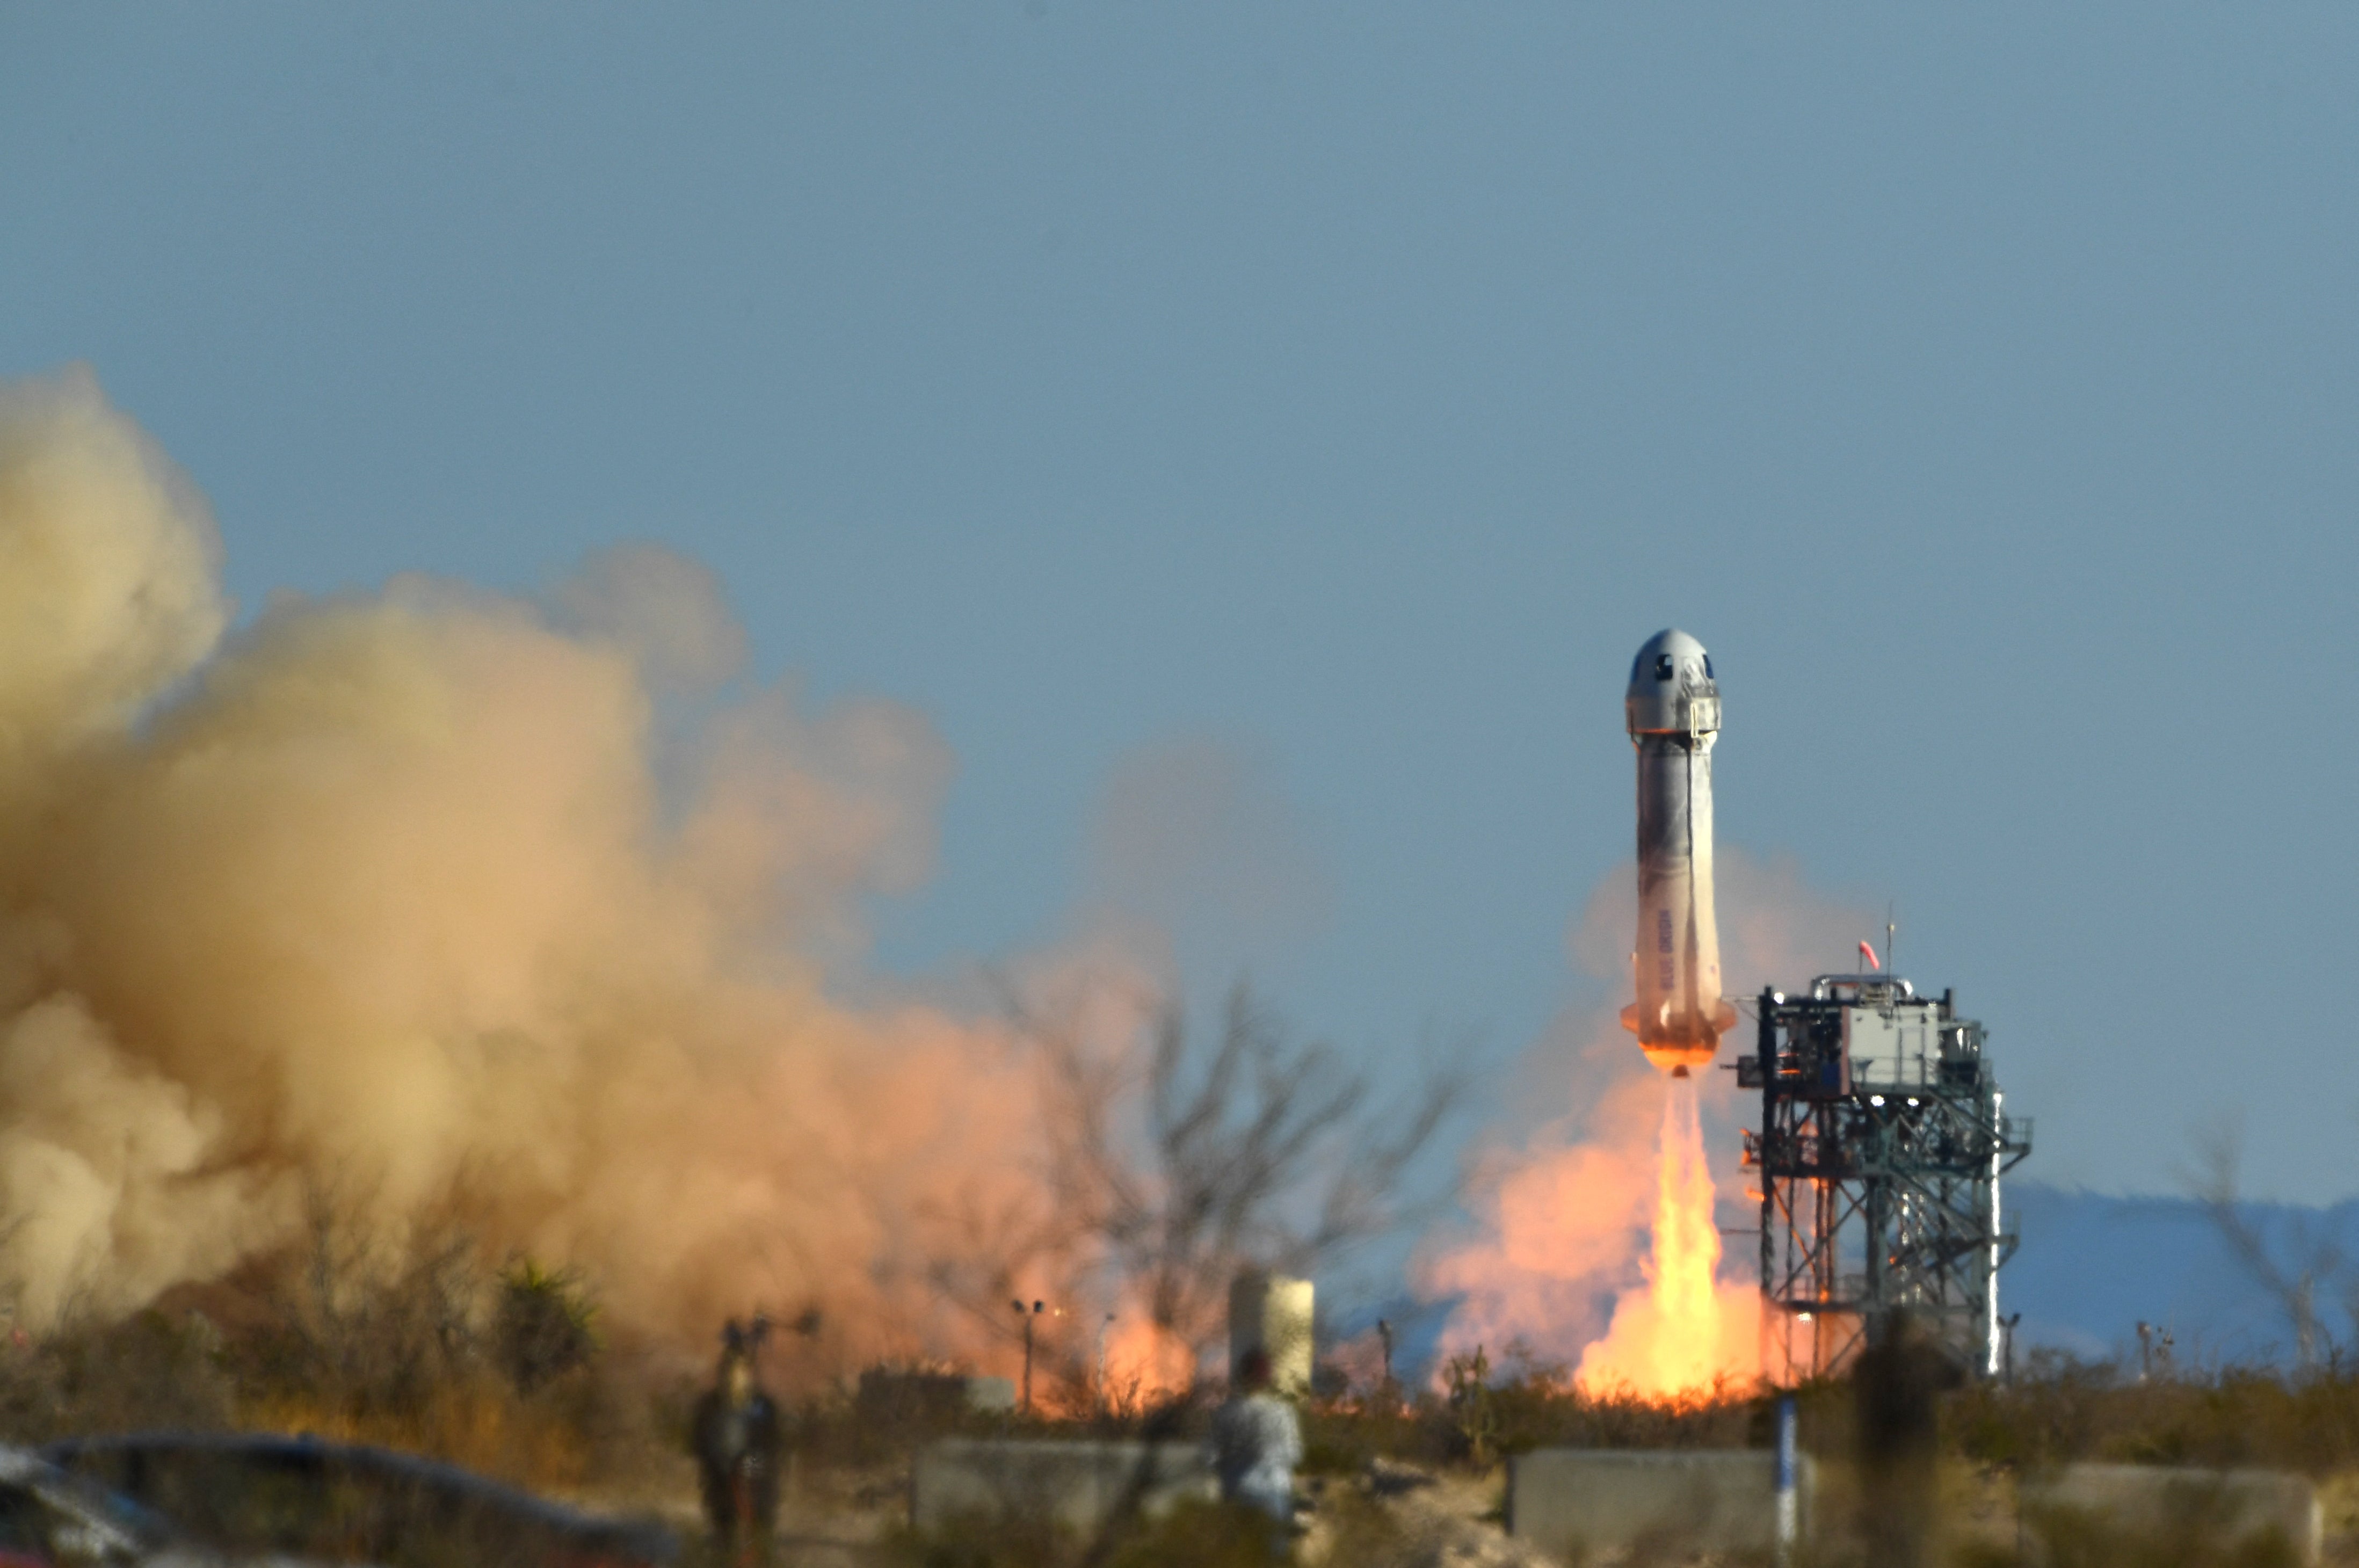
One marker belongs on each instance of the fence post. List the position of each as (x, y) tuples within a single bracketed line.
[(1789, 1513)]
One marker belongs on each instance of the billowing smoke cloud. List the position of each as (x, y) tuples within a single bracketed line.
[(1565, 1203), (421, 897), (383, 893)]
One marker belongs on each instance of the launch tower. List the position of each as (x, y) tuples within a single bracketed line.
[(1882, 1138)]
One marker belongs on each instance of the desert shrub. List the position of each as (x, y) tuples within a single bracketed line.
[(1547, 1412), (546, 1327), (412, 1344), (153, 1368), (2073, 1539), (356, 1325), (1471, 1407), (1484, 1413), (2068, 1410), (1530, 1403), (1342, 1437)]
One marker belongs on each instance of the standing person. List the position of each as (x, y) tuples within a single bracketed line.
[(1257, 1442), (736, 1439)]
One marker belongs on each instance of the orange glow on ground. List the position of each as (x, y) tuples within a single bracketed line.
[(1145, 1362)]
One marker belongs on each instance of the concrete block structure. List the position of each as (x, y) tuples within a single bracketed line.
[(1572, 1501), (2217, 1507), (1273, 1314), (1081, 1485), (891, 1393)]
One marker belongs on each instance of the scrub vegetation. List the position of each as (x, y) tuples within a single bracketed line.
[(499, 1364)]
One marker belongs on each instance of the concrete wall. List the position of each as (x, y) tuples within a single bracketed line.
[(1081, 1485), (2219, 1507), (891, 1393), (990, 1394), (1569, 1501)]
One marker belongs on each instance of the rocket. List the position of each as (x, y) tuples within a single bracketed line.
[(1673, 709)]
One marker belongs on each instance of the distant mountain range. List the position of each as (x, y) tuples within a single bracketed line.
[(2091, 1265)]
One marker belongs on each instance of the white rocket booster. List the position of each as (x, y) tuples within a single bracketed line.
[(1673, 708)]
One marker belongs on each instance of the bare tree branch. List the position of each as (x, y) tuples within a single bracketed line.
[(2317, 1259), (1178, 1164)]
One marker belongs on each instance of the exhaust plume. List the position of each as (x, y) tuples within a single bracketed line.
[(1598, 1245), (383, 893), (1686, 1329)]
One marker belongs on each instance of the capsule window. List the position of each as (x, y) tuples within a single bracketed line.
[(1662, 666), (1707, 669)]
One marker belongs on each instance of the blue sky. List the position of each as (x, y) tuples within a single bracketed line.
[(1320, 403)]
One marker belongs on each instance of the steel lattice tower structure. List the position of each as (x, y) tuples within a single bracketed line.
[(1882, 1138)]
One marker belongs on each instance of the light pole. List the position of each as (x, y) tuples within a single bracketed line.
[(1028, 1318)]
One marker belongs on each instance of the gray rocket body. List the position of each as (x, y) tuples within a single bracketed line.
[(1673, 712)]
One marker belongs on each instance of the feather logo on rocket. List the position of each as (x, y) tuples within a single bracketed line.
[(1673, 711)]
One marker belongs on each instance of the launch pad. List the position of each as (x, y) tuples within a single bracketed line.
[(1883, 1133), (1882, 1141)]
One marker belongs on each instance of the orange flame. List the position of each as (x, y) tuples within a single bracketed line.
[(1144, 1361), (1684, 1332), (1596, 1245)]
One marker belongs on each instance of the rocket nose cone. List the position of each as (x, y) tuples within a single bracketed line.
[(1665, 656), (1672, 670)]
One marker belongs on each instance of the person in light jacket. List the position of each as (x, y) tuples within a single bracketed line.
[(1256, 1444)]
